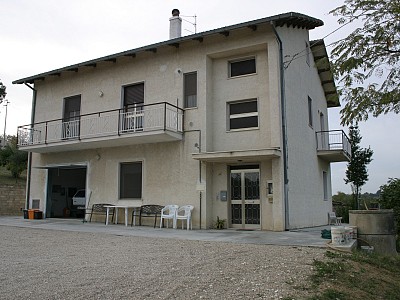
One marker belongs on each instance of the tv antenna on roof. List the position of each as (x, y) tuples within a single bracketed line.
[(192, 23)]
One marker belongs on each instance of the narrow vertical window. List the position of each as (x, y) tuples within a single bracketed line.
[(130, 180), (190, 89), (325, 184), (71, 117), (308, 53), (310, 118)]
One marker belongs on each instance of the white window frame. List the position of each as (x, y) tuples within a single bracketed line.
[(242, 115), (230, 62)]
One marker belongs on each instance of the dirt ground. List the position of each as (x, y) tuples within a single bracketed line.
[(50, 264)]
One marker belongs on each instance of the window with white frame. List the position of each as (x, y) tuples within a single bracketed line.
[(190, 89), (243, 114), (130, 180), (325, 184), (310, 112), (242, 67)]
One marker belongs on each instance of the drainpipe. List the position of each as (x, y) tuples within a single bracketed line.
[(28, 177), (284, 129), (198, 146)]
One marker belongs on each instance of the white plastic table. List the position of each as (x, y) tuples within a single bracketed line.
[(126, 207)]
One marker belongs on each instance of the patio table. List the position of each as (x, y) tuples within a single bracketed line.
[(126, 207)]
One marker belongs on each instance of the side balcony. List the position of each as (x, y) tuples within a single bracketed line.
[(333, 146), (153, 123)]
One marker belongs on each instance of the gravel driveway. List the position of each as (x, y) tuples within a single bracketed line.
[(50, 264)]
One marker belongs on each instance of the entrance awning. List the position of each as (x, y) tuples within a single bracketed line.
[(238, 155)]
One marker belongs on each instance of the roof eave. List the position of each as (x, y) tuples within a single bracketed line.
[(323, 65), (289, 19)]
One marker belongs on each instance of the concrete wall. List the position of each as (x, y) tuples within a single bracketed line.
[(307, 206), (12, 199), (170, 174)]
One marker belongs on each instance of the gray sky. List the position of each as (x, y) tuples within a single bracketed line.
[(42, 35)]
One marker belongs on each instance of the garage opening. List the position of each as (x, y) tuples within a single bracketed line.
[(66, 195)]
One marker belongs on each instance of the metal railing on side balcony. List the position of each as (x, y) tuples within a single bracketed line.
[(134, 119), (333, 140)]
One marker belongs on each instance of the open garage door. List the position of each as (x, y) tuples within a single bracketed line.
[(64, 182)]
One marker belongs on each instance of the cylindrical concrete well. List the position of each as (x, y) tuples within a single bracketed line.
[(377, 228)]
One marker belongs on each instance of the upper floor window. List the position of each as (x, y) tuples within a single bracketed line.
[(242, 67), (243, 114), (190, 89), (130, 180), (310, 118), (308, 52), (133, 94)]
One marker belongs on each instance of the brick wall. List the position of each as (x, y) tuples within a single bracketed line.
[(12, 199)]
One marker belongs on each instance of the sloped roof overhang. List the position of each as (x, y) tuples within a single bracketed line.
[(325, 72), (288, 19)]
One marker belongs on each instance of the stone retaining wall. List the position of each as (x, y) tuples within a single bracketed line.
[(12, 199)]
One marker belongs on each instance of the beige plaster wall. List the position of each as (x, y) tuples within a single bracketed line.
[(306, 204)]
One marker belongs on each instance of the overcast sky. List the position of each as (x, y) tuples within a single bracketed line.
[(42, 35)]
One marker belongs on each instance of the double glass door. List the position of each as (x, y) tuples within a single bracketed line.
[(245, 198)]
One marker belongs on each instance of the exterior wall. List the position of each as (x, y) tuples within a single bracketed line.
[(306, 197), (170, 174), (12, 199)]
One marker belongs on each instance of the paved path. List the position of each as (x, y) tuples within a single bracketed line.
[(301, 237)]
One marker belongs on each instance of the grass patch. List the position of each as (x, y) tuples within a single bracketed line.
[(6, 178), (355, 276)]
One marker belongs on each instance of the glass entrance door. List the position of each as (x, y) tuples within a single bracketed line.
[(245, 198)]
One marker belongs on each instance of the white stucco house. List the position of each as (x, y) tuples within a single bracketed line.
[(233, 121)]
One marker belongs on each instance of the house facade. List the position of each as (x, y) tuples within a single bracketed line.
[(233, 121)]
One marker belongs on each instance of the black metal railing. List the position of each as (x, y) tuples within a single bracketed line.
[(133, 119), (333, 140)]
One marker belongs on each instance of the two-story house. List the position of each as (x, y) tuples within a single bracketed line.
[(233, 121)]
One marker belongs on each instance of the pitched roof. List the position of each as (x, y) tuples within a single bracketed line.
[(288, 19)]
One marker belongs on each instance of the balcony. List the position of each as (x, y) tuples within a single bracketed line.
[(333, 146), (153, 123)]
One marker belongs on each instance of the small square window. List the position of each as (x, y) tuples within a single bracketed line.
[(243, 114), (242, 67)]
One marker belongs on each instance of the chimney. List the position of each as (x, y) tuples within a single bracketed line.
[(175, 25)]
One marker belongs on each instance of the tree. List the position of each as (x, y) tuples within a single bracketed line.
[(390, 198), (2, 92), (12, 158), (366, 62), (357, 173)]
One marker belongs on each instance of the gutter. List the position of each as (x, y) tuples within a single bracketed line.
[(28, 177), (284, 128)]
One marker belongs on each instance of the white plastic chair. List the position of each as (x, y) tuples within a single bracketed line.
[(184, 213), (167, 213), (333, 219)]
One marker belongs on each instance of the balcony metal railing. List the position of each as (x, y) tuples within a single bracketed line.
[(142, 118), (333, 140)]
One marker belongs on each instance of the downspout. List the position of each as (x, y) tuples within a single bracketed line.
[(284, 129), (199, 148), (28, 177)]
